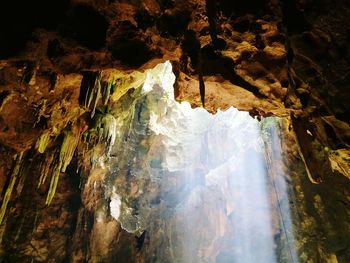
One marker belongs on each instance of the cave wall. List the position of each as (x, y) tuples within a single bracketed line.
[(272, 58)]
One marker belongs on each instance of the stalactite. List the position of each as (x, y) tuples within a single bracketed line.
[(2, 229), (25, 167), (45, 169), (97, 95), (99, 90), (19, 228), (67, 150), (53, 185), (43, 142), (69, 144), (13, 179), (108, 90), (109, 129), (104, 131), (35, 221), (93, 92)]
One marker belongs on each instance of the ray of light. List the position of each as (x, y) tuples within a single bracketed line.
[(208, 193)]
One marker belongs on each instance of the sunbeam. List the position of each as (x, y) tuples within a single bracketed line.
[(213, 180)]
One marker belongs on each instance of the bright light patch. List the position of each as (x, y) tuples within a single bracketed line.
[(206, 194), (114, 206)]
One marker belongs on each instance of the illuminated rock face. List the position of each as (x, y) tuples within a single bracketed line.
[(197, 183)]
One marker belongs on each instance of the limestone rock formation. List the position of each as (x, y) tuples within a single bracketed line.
[(73, 111)]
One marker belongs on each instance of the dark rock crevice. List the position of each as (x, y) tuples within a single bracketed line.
[(86, 25), (18, 19)]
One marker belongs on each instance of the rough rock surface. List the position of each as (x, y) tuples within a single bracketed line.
[(65, 65)]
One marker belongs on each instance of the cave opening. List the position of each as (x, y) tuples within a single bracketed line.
[(206, 187)]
